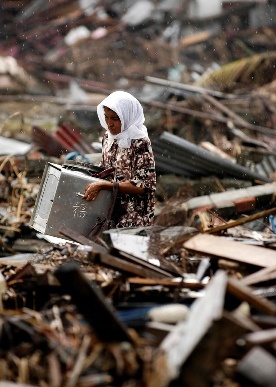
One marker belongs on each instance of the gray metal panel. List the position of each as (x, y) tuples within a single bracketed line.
[(58, 203), (267, 166), (46, 196), (187, 159), (165, 163), (272, 161)]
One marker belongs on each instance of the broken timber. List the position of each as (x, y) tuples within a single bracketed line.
[(226, 226), (182, 354), (263, 337), (263, 275), (244, 293), (240, 221), (165, 282), (126, 263), (181, 357), (219, 247)]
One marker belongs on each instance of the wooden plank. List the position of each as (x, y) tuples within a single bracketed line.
[(240, 221), (189, 341), (225, 226), (126, 263), (195, 38), (219, 343), (197, 370), (263, 275), (266, 336), (127, 267), (185, 336), (145, 263), (218, 247), (165, 282), (244, 293), (27, 270), (68, 232), (264, 321)]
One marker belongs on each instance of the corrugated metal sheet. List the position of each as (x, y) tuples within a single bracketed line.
[(173, 154), (267, 166)]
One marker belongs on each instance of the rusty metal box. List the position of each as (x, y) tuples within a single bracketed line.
[(59, 202)]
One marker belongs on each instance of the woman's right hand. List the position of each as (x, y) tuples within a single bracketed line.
[(92, 191)]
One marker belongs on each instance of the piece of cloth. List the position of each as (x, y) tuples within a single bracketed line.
[(131, 115), (137, 165)]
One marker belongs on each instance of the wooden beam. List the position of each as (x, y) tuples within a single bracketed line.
[(178, 242), (263, 337), (129, 268), (244, 293), (240, 221), (186, 346), (126, 263), (165, 282), (219, 247), (263, 275), (68, 232)]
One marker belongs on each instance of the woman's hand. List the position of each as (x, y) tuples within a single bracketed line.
[(92, 191)]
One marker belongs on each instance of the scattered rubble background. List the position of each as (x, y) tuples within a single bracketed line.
[(206, 79)]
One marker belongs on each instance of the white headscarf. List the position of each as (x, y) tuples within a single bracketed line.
[(131, 115)]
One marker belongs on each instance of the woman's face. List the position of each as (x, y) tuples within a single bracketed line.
[(112, 120)]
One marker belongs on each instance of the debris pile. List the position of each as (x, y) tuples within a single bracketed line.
[(145, 306), (73, 323), (190, 300)]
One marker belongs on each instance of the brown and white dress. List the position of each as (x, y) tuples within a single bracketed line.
[(137, 165)]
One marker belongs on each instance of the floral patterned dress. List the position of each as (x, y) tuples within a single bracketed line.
[(137, 165)]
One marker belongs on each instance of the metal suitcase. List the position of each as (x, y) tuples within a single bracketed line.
[(59, 202)]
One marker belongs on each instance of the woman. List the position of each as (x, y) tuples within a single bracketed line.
[(126, 147)]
